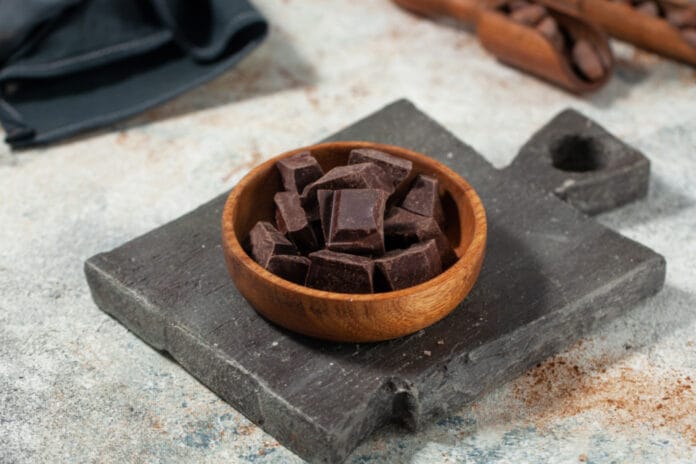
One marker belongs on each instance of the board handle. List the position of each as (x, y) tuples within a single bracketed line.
[(583, 164)]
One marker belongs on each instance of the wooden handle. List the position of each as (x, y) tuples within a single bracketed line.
[(648, 32), (463, 10)]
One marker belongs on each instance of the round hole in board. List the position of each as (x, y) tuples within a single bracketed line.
[(576, 153)]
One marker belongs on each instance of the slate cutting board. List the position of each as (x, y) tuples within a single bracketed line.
[(550, 275)]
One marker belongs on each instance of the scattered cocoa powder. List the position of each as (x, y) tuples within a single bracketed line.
[(246, 429), (653, 397)]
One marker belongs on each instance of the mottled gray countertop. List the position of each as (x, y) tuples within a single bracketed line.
[(76, 386)]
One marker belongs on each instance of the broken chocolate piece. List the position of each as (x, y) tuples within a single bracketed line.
[(356, 223), (529, 15), (424, 199), (318, 233), (587, 60), (325, 200), (403, 228), (548, 27), (298, 171), (405, 268), (292, 221), (289, 267), (312, 212), (354, 176), (265, 241), (396, 168), (340, 272)]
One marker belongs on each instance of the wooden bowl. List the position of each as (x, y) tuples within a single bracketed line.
[(353, 317)]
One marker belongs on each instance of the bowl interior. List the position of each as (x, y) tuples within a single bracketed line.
[(255, 197)]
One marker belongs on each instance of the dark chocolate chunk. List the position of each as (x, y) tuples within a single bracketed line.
[(354, 176), (318, 233), (405, 268), (298, 171), (396, 168), (289, 267), (403, 228), (265, 241), (312, 211), (424, 199), (340, 272), (325, 201), (292, 221), (357, 219)]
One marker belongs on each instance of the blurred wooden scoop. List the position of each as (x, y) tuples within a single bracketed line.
[(666, 27), (557, 46)]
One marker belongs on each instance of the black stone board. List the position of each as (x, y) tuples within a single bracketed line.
[(550, 275)]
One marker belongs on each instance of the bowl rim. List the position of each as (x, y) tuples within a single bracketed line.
[(232, 246)]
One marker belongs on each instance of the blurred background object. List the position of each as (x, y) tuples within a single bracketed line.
[(560, 47), (71, 65), (666, 27)]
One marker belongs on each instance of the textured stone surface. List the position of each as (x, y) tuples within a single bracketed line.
[(76, 386), (546, 281), (583, 164)]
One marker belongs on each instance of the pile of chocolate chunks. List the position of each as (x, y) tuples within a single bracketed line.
[(348, 230)]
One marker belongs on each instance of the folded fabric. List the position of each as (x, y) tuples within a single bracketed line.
[(71, 65)]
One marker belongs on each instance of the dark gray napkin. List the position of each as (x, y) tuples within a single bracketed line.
[(71, 65)]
